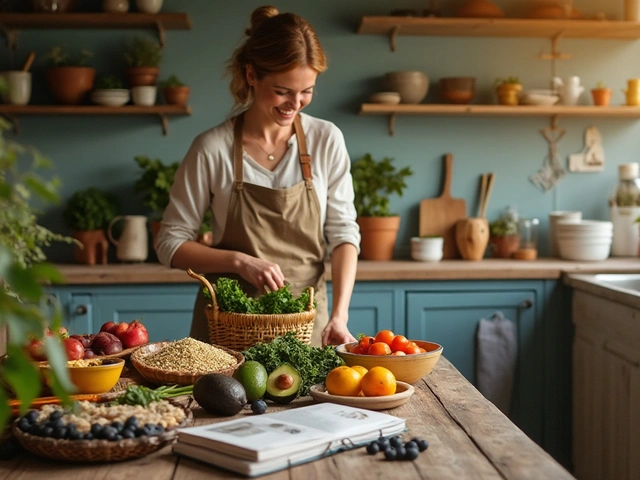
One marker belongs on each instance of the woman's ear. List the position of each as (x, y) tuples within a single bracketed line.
[(251, 76)]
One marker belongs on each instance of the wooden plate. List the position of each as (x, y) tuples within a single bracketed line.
[(403, 392)]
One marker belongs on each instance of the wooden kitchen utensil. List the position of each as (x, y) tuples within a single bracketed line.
[(438, 216)]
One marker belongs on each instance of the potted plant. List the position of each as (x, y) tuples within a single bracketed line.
[(109, 91), (88, 213), (175, 92), (69, 77), (143, 57), (503, 237), (508, 90), (373, 183), (601, 95)]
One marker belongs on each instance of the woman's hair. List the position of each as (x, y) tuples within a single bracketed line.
[(276, 43)]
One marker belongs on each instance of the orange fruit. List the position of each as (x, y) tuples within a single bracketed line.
[(360, 369), (399, 343), (365, 342), (385, 336), (378, 382), (399, 353), (344, 381), (412, 348), (379, 348)]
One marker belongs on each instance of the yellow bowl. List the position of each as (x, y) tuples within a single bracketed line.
[(406, 368), (95, 378)]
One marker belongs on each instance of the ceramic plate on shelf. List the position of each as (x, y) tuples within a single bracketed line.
[(402, 395)]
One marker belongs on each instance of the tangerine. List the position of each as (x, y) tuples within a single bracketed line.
[(385, 336), (360, 369), (378, 382), (379, 348), (399, 343), (412, 348), (344, 381)]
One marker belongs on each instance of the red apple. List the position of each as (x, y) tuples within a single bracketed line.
[(108, 327), (35, 349), (135, 335), (120, 328), (85, 339), (74, 348)]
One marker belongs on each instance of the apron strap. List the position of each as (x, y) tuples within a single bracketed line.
[(305, 159), (237, 152)]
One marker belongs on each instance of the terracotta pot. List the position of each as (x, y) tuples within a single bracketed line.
[(70, 85), (94, 249), (601, 96), (378, 237), (508, 93), (480, 9), (472, 236), (504, 247), (137, 76), (176, 95)]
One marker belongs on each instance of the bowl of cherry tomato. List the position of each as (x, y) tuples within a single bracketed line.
[(408, 360)]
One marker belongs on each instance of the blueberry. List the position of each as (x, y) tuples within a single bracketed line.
[(55, 415), (159, 429), (140, 432), (131, 423), (59, 432), (32, 416), (373, 448), (118, 426), (422, 445), (411, 454), (258, 407), (48, 432), (109, 433), (127, 433), (390, 453), (396, 442), (401, 452), (411, 444), (76, 435), (383, 443), (118, 438), (55, 423), (37, 430), (96, 430), (88, 436), (24, 424)]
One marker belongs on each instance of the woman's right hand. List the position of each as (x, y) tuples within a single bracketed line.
[(261, 273)]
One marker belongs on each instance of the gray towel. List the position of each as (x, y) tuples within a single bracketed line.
[(497, 353)]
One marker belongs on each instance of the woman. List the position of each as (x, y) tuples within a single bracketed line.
[(277, 181)]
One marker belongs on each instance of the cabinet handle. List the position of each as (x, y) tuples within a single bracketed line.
[(526, 305), (81, 310)]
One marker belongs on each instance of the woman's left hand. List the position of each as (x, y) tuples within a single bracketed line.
[(336, 333)]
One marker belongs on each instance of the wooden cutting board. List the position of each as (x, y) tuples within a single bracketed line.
[(438, 216)]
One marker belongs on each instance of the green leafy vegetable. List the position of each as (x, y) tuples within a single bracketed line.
[(141, 395), (313, 363)]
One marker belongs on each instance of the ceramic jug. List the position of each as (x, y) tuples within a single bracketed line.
[(632, 91), (132, 246), (569, 89)]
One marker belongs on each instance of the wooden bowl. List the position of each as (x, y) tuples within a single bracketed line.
[(402, 395), (407, 368), (459, 90)]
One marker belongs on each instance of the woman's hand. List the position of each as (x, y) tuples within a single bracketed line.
[(261, 273), (336, 332)]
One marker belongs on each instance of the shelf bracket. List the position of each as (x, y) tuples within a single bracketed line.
[(162, 35), (392, 124), (393, 35), (165, 123)]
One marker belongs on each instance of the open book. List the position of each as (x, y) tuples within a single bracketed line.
[(257, 444)]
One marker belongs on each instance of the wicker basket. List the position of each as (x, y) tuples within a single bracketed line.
[(88, 451), (159, 376), (240, 331)]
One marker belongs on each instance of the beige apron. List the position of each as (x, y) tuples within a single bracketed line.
[(279, 225)]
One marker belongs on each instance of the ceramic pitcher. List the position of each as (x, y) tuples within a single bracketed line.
[(632, 91), (132, 246), (569, 89)]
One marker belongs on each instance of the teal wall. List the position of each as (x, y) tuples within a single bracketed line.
[(99, 151)]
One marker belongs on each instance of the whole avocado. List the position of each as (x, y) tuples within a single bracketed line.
[(219, 394)]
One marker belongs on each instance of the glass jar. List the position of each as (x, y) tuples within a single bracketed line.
[(528, 231), (627, 192)]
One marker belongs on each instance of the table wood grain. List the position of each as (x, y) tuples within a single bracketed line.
[(468, 437)]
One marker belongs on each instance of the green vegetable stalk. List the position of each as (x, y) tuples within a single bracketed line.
[(141, 395)]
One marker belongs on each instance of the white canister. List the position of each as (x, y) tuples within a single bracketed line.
[(554, 218), (626, 236), (144, 95), (427, 249), (132, 246), (18, 90)]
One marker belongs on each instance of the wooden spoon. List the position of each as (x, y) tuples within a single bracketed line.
[(28, 62), (491, 179), (483, 192)]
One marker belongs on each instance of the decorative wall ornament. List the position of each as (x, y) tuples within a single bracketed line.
[(591, 158), (551, 172)]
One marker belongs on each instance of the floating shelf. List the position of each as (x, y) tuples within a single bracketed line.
[(162, 111), (497, 111), (496, 27)]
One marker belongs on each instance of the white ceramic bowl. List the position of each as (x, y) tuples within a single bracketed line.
[(427, 249), (585, 236), (391, 98), (539, 97), (110, 98), (577, 250)]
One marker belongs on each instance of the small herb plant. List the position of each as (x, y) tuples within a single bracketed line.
[(109, 82), (503, 227), (373, 183), (59, 57), (506, 80), (143, 52), (155, 183), (171, 82), (90, 209), (600, 85)]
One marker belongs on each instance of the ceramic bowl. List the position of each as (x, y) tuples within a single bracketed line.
[(391, 98), (406, 368), (584, 251), (459, 90), (427, 249), (95, 378), (412, 86), (539, 97), (115, 97)]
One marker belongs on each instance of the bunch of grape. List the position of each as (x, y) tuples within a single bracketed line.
[(395, 449)]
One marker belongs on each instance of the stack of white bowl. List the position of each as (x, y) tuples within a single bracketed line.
[(427, 249), (584, 240), (111, 97)]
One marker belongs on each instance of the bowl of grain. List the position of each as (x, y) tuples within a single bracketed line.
[(184, 361)]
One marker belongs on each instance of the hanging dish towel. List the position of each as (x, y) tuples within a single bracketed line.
[(497, 353)]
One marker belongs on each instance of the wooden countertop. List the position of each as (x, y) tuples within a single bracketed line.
[(468, 438), (488, 269)]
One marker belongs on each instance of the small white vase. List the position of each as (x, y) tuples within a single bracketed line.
[(144, 95), (115, 6), (149, 6)]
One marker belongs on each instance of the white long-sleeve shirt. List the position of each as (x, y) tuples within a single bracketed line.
[(205, 179)]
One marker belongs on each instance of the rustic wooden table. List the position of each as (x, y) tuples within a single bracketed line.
[(468, 436)]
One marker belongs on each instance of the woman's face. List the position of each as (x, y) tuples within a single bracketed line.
[(281, 96)]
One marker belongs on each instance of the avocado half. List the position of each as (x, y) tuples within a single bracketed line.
[(283, 384)]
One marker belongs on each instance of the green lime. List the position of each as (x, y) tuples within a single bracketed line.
[(253, 377)]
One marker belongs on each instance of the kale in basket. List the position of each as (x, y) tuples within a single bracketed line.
[(231, 298)]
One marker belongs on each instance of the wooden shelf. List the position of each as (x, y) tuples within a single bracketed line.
[(497, 27), (162, 111), (497, 111)]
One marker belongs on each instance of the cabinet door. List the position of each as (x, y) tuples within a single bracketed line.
[(451, 319), (371, 308)]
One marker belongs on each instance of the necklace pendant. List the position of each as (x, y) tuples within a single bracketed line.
[(271, 158)]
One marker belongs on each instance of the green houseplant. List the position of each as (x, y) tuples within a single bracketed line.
[(88, 213), (174, 91), (373, 183), (601, 95), (143, 57), (503, 237), (508, 90), (69, 76)]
